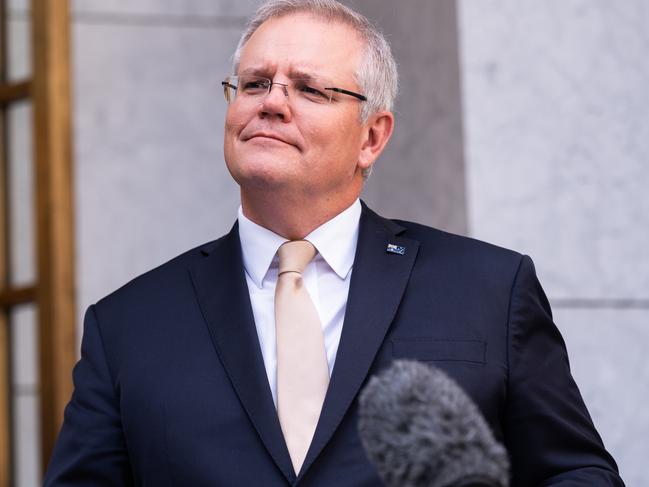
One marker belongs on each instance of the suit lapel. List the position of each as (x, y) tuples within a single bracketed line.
[(379, 279), (222, 292)]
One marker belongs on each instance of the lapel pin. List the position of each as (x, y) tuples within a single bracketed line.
[(396, 249)]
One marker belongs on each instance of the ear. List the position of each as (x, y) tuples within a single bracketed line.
[(376, 133)]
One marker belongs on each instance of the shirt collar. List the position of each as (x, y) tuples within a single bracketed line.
[(335, 241)]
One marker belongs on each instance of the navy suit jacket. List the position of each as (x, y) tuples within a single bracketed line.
[(171, 388)]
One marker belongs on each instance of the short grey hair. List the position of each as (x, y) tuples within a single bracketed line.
[(376, 75)]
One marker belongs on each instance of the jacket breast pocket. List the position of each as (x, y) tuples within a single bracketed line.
[(427, 350)]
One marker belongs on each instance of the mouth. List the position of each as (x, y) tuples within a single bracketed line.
[(268, 137)]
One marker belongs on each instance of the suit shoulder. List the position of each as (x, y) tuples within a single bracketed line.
[(162, 280), (440, 240), (457, 255)]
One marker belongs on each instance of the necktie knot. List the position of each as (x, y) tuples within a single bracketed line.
[(295, 255)]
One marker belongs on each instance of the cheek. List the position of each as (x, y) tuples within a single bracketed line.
[(332, 156), (325, 137), (233, 125), (347, 141), (235, 121)]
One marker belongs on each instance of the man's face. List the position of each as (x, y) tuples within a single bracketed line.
[(277, 143)]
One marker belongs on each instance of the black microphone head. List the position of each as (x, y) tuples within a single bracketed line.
[(420, 429)]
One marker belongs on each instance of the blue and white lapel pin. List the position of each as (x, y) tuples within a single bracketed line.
[(395, 249)]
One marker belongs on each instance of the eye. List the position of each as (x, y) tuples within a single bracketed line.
[(311, 91), (253, 85)]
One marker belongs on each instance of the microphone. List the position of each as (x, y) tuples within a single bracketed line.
[(420, 429)]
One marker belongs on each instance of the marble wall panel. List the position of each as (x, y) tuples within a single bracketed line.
[(557, 133), (420, 176), (154, 10), (555, 110), (150, 179), (607, 350), (199, 8)]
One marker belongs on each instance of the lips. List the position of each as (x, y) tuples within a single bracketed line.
[(268, 135)]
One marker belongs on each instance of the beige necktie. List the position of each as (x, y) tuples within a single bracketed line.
[(302, 371)]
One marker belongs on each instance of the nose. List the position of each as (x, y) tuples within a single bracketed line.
[(283, 87), (276, 103)]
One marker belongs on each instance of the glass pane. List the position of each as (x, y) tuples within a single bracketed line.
[(26, 448), (22, 238), (24, 343), (25, 396), (19, 5), (5, 400), (19, 42)]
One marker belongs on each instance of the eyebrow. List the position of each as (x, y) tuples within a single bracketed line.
[(299, 74), (254, 71), (294, 73)]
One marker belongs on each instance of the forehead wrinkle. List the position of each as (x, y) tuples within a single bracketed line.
[(294, 72)]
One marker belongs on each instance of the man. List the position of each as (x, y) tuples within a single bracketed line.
[(239, 363)]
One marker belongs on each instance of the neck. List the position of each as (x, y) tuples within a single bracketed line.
[(291, 217)]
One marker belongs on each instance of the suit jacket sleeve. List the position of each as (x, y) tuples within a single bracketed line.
[(91, 449), (548, 431)]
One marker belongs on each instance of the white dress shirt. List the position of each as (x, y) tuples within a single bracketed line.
[(326, 279)]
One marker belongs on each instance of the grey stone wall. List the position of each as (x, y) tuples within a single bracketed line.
[(420, 176), (557, 139)]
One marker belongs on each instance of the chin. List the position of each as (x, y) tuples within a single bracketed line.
[(261, 175)]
